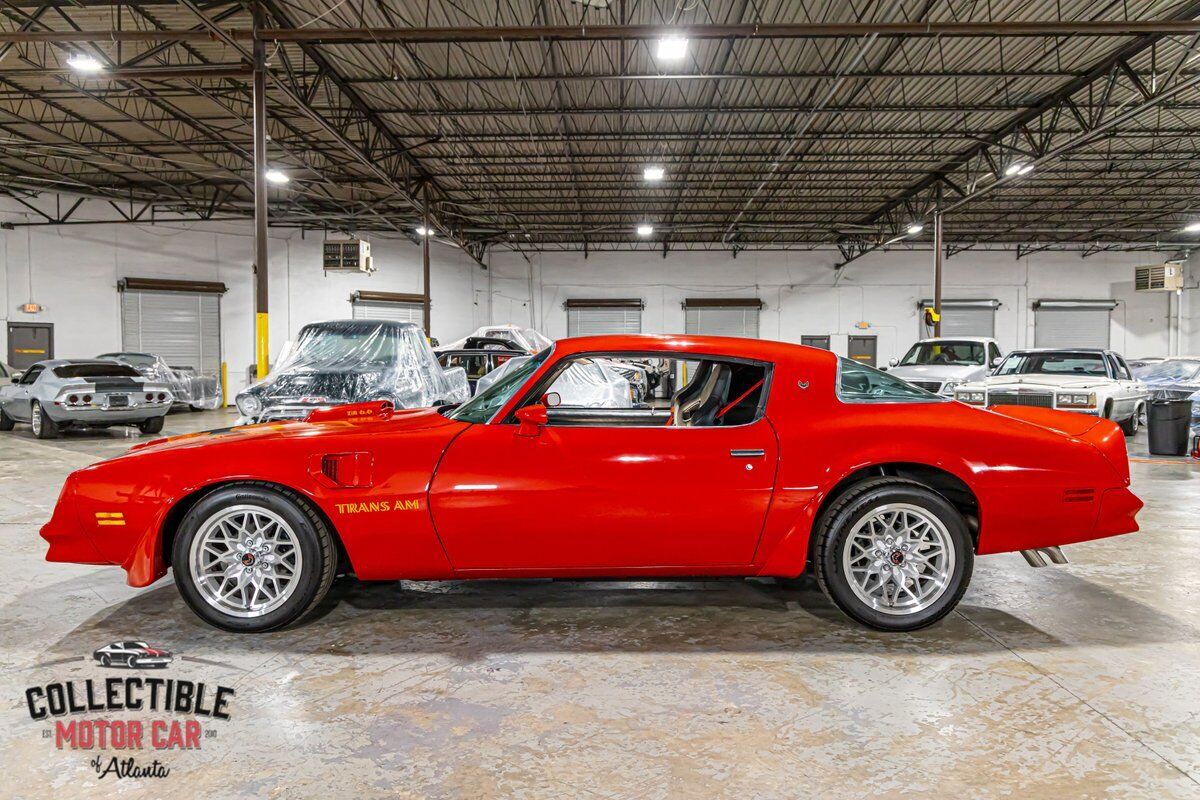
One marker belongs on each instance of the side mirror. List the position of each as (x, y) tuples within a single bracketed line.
[(893, 362), (997, 361), (552, 400), (531, 419), (16, 376)]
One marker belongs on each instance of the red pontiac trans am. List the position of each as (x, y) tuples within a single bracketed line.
[(769, 459)]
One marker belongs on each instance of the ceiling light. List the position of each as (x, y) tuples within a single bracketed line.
[(672, 48), (645, 229), (275, 176), (653, 173), (915, 227), (84, 63), (1192, 227), (422, 231), (1017, 168)]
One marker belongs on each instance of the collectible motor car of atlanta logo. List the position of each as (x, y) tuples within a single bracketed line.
[(122, 716)]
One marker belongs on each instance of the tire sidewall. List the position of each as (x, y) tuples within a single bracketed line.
[(842, 523), (310, 577)]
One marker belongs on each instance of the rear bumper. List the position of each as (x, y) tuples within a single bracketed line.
[(1118, 513), (108, 416)]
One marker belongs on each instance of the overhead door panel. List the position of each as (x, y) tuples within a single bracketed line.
[(395, 312), (721, 321), (966, 317), (1060, 324), (184, 328), (603, 318)]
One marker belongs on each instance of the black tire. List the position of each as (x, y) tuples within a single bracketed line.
[(836, 523), (195, 408), (105, 661), (46, 428), (6, 422), (1130, 426), (152, 425), (315, 541)]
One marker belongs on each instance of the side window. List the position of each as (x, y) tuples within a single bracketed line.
[(1122, 368), (31, 376), (621, 390), (858, 383)]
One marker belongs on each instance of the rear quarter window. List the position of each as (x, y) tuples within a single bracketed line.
[(858, 383)]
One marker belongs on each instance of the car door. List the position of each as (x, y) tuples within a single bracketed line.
[(1125, 391), (18, 397), (604, 497)]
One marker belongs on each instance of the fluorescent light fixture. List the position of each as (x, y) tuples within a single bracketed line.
[(1017, 168), (84, 63), (645, 229), (672, 48), (1192, 227), (914, 228), (422, 231), (276, 176), (653, 173)]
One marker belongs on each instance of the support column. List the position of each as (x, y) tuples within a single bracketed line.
[(262, 345), (425, 260), (937, 272)]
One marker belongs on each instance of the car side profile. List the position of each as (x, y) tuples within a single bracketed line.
[(54, 395), (771, 460), (131, 654)]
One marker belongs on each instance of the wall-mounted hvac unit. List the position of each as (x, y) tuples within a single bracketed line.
[(1166, 277), (347, 255)]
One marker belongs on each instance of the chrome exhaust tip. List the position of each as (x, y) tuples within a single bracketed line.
[(1044, 556)]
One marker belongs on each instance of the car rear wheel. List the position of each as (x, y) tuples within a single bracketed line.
[(152, 425), (1130, 426), (43, 426), (105, 661), (250, 558), (893, 554)]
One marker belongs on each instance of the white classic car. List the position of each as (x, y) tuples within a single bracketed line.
[(1097, 382), (941, 365)]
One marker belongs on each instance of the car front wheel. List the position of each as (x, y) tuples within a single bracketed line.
[(893, 554), (250, 558)]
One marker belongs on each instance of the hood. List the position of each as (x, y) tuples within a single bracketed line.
[(318, 387), (939, 372), (1047, 381), (355, 419)]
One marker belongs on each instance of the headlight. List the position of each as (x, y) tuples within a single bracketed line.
[(948, 387), (248, 404), (974, 398), (1076, 400)]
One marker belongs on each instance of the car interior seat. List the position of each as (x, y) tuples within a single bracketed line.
[(714, 398), (687, 398)]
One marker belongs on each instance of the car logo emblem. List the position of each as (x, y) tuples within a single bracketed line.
[(248, 559), (802, 384)]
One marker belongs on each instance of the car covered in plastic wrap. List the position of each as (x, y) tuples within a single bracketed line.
[(587, 383), (527, 339), (1170, 378), (197, 390), (344, 361)]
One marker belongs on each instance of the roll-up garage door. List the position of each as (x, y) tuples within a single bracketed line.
[(180, 325), (394, 307), (965, 317), (1072, 323), (600, 317), (716, 317)]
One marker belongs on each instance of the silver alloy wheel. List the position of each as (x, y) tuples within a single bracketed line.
[(35, 418), (245, 561), (898, 558)]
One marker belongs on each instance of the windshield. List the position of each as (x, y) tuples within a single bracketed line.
[(1169, 371), (858, 383), (362, 345), (945, 353), (96, 371), (483, 406), (1053, 364)]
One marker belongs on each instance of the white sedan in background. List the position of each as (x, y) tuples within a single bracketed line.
[(1096, 382)]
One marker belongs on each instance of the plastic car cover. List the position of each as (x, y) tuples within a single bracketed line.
[(351, 361), (1170, 379), (189, 385), (587, 383), (528, 338)]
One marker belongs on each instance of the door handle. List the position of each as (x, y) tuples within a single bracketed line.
[(747, 453)]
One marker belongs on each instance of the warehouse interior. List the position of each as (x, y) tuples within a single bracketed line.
[(813, 172)]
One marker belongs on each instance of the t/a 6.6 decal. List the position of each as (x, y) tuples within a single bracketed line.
[(129, 721)]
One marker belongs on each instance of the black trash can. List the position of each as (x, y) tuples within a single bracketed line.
[(1168, 421)]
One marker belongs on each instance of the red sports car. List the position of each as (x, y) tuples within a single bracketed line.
[(759, 458)]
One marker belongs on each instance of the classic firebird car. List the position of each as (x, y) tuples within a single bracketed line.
[(132, 655), (771, 458)]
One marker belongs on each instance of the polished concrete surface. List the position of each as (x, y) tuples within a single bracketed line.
[(1077, 681)]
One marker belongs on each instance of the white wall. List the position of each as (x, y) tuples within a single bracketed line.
[(804, 296), (73, 272)]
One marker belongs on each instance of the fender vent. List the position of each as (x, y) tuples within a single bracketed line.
[(329, 466), (1079, 495), (342, 470)]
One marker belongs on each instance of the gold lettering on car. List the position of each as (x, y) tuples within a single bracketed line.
[(378, 506)]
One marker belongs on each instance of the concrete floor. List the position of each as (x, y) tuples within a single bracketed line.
[(1078, 681)]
